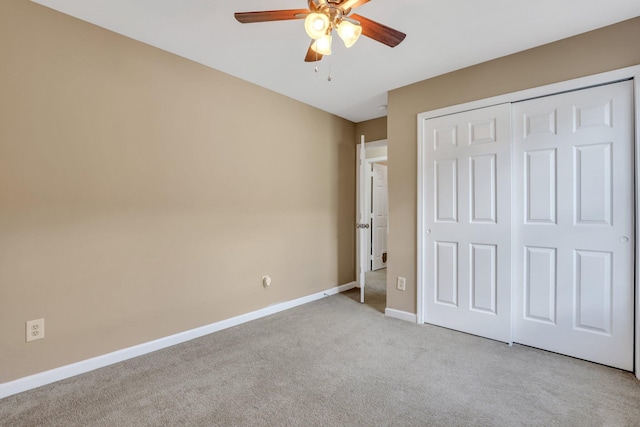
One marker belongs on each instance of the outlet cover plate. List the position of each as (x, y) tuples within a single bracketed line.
[(34, 330)]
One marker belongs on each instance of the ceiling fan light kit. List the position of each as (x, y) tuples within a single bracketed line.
[(322, 45), (316, 25), (348, 32), (324, 16)]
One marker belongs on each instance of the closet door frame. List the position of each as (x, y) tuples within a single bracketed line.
[(569, 85)]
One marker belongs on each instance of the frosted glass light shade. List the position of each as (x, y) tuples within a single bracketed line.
[(316, 25), (349, 33), (322, 45)]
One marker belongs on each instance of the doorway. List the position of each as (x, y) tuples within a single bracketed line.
[(371, 239), (377, 208)]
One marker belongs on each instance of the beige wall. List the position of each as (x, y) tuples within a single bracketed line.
[(142, 194), (374, 152), (602, 50), (373, 130)]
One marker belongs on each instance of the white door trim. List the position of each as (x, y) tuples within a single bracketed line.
[(569, 85), (636, 105)]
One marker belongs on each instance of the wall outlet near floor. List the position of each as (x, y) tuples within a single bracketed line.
[(402, 282), (34, 330), (266, 281)]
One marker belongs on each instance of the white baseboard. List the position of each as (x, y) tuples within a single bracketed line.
[(63, 372), (402, 315)]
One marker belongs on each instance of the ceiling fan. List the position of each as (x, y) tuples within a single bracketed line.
[(324, 16)]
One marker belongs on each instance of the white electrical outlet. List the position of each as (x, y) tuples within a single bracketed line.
[(35, 330), (402, 282), (266, 281)]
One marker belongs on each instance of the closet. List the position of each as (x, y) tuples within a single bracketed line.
[(528, 222)]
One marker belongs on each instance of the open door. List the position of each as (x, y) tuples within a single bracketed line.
[(361, 220), (380, 213)]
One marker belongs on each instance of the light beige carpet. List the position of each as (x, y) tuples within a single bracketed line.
[(336, 362), (375, 290)]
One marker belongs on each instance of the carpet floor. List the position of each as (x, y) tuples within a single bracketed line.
[(375, 290), (335, 362)]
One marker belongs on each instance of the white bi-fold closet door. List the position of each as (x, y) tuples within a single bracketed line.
[(529, 223), (573, 223), (468, 222)]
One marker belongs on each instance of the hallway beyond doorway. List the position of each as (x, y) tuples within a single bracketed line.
[(375, 290)]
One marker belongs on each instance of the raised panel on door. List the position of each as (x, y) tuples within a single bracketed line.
[(573, 224), (482, 188), (445, 273), (445, 202), (483, 278), (593, 184), (467, 195), (593, 286), (540, 272), (540, 186)]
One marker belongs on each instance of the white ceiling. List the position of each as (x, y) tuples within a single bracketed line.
[(442, 36)]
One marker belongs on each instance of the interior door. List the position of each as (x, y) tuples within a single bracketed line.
[(380, 213), (574, 224), (467, 250)]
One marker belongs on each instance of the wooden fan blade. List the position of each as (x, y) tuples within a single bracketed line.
[(379, 32), (352, 4), (270, 15), (312, 55)]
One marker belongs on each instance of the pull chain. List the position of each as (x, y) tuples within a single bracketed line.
[(316, 67), (317, 70)]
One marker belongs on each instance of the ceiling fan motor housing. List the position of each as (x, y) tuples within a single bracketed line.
[(331, 8), (336, 15)]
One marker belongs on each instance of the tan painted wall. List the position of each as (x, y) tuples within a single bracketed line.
[(142, 194), (598, 51), (373, 130), (373, 152)]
